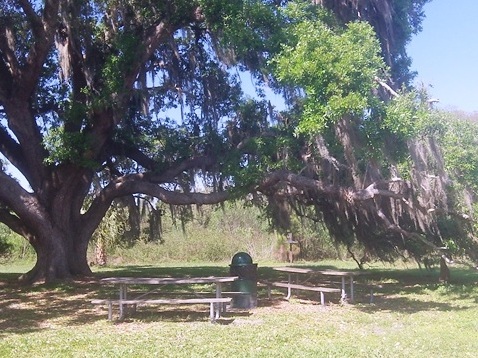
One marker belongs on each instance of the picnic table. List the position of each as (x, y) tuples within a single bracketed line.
[(217, 303), (296, 271)]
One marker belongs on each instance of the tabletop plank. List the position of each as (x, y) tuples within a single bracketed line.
[(327, 272), (293, 269), (167, 280)]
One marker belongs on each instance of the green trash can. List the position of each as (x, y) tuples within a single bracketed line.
[(246, 286)]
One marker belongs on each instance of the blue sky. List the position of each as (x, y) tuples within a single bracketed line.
[(445, 53)]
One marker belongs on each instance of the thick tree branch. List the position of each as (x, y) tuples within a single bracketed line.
[(170, 174), (32, 16), (5, 80), (155, 35), (23, 125), (167, 174), (387, 87), (12, 151), (26, 77), (24, 204), (134, 184), (14, 223), (371, 191), (7, 48), (302, 182), (298, 181), (43, 32), (407, 234), (131, 152), (171, 197), (21, 119)]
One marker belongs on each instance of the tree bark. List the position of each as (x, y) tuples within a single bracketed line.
[(60, 256)]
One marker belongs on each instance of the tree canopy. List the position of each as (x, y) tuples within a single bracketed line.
[(105, 99)]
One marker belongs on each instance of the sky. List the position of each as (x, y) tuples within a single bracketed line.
[(445, 53)]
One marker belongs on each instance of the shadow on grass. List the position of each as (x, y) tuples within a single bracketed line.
[(190, 313), (27, 309), (401, 290), (406, 305)]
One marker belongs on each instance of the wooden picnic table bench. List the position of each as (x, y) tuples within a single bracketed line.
[(296, 271), (217, 303)]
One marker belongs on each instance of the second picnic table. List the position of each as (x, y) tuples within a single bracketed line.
[(335, 273)]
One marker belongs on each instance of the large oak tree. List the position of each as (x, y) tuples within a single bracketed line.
[(140, 96)]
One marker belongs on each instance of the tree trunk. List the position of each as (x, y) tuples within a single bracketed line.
[(59, 257)]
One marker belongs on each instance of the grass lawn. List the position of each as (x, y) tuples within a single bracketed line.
[(412, 316)]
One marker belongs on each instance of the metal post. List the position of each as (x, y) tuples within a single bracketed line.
[(344, 295), (289, 289), (222, 306), (123, 296)]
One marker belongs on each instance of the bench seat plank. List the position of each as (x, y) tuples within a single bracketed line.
[(212, 301), (304, 287), (291, 286), (170, 301)]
